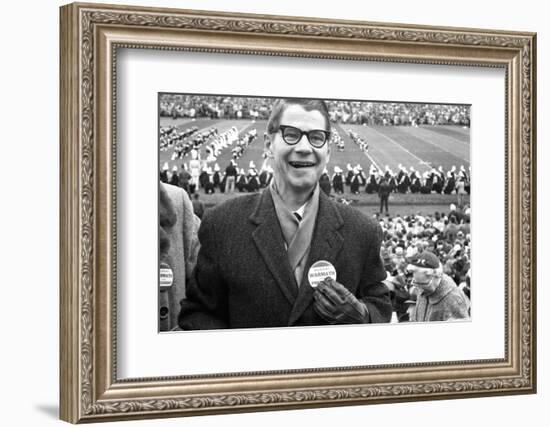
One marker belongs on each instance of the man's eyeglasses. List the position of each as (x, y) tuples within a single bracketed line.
[(316, 137)]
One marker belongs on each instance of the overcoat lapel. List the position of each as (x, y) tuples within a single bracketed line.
[(270, 243), (325, 245)]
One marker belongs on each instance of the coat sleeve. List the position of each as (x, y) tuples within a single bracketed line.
[(205, 306), (372, 291)]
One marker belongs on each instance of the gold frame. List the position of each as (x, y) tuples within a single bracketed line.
[(90, 35)]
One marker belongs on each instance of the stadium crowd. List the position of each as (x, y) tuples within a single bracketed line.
[(446, 235), (398, 114), (347, 112)]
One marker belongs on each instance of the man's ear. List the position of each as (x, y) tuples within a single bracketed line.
[(268, 145)]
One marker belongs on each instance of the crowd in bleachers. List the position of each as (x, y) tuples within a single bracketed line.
[(398, 114), (447, 235), (215, 107), (348, 112)]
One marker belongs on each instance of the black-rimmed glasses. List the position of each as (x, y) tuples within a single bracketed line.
[(316, 137)]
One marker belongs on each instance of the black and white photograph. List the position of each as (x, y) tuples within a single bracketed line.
[(278, 212)]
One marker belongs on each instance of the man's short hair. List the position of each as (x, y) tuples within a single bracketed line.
[(281, 105)]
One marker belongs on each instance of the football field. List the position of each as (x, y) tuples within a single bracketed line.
[(423, 147)]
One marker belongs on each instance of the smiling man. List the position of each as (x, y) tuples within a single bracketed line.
[(257, 250)]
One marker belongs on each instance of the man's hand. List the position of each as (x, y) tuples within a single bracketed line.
[(337, 305)]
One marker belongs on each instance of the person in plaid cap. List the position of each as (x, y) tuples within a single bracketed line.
[(438, 297)]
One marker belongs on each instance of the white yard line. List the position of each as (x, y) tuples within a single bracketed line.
[(420, 161), (372, 160)]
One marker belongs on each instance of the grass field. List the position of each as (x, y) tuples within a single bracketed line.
[(420, 147), (402, 204)]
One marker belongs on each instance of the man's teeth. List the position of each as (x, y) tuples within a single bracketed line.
[(301, 164)]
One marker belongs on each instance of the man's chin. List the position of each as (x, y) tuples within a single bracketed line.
[(303, 185)]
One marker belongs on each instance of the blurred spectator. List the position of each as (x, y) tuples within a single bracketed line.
[(451, 229), (175, 179), (198, 207), (178, 249), (438, 297), (324, 182), (231, 176), (184, 178), (384, 194)]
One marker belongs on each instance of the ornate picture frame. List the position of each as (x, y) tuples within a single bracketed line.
[(90, 37)]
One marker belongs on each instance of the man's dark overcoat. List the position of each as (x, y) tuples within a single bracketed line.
[(243, 278)]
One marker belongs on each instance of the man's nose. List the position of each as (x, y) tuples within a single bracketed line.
[(303, 145)]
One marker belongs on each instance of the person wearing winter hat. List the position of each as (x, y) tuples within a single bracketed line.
[(439, 298)]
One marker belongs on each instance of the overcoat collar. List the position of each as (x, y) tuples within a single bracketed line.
[(325, 245)]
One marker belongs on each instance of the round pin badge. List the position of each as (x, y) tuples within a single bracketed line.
[(166, 276), (319, 272)]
